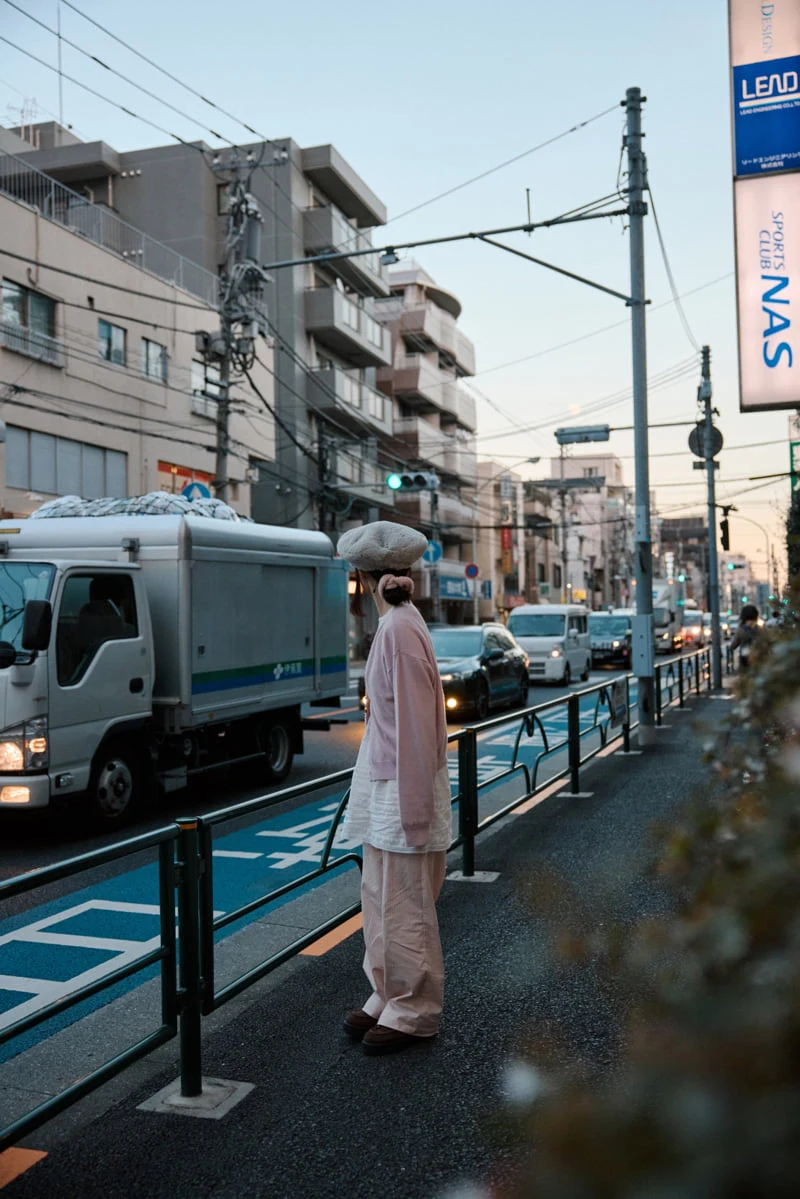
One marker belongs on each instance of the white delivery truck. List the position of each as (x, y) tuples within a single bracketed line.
[(139, 651), (666, 616)]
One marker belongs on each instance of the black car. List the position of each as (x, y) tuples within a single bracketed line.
[(481, 667), (610, 638)]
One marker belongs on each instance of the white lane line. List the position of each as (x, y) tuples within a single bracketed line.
[(234, 853), (75, 941)]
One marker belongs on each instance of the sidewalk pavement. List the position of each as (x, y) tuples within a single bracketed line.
[(324, 1120)]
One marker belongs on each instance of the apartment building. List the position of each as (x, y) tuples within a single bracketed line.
[(103, 393), (327, 344), (501, 541), (433, 430), (595, 530)]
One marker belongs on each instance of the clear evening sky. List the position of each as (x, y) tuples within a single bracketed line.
[(420, 97)]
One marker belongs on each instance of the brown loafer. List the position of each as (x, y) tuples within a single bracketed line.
[(389, 1040), (357, 1023)]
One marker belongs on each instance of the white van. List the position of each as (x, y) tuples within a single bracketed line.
[(556, 640)]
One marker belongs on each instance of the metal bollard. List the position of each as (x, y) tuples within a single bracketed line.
[(680, 683), (574, 743), (626, 724), (468, 798), (191, 982), (697, 674), (659, 719)]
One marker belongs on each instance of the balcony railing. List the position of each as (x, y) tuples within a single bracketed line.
[(55, 202), (326, 229), (334, 389), (347, 327), (32, 344)]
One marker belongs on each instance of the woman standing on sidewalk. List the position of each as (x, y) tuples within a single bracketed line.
[(399, 803)]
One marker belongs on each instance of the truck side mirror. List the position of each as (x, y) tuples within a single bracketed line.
[(8, 655), (37, 623)]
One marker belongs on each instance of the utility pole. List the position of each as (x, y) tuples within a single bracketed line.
[(704, 396), (436, 590), (643, 621), (242, 311), (564, 546)]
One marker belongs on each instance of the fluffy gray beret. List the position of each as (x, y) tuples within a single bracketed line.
[(382, 545)]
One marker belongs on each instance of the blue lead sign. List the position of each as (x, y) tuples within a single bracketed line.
[(767, 115)]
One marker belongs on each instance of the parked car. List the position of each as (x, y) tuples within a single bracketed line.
[(610, 638), (556, 640), (481, 667)]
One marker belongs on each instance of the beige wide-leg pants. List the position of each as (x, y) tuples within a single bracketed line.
[(403, 953)]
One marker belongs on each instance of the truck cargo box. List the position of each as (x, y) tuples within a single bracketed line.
[(245, 617)]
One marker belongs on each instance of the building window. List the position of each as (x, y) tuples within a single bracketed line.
[(206, 388), (540, 571), (556, 576), (29, 324), (590, 472), (111, 342), (61, 466), (154, 360)]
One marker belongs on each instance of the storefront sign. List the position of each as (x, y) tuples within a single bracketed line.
[(765, 93)]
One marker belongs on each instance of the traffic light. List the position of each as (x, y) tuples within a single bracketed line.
[(418, 480), (725, 533), (681, 578)]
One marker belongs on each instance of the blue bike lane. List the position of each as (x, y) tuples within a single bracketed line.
[(52, 950)]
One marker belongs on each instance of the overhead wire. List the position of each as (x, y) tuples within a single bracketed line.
[(670, 277)]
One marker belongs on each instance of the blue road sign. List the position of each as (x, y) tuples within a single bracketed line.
[(433, 553), (196, 491)]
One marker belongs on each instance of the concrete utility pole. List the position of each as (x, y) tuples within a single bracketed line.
[(643, 621), (242, 309), (704, 396), (564, 546)]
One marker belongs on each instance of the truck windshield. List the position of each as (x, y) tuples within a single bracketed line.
[(537, 624), (456, 643), (661, 617), (20, 582), (609, 626)]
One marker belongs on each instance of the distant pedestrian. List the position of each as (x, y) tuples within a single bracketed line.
[(748, 634), (399, 805)]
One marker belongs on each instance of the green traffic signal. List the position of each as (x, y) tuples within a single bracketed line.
[(730, 566), (681, 578), (394, 482)]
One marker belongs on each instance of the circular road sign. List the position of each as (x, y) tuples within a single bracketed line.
[(196, 491), (472, 570), (697, 441), (433, 553)]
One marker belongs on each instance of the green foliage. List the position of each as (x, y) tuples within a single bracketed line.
[(704, 1101)]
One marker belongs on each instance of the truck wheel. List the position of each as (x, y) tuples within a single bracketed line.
[(115, 784), (279, 751), (585, 675)]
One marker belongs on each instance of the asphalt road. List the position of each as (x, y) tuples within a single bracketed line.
[(34, 840)]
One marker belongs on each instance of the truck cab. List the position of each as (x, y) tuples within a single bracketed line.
[(81, 677)]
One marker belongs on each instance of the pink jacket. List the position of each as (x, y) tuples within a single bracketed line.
[(408, 730)]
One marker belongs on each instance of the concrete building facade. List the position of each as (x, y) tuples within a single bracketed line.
[(102, 390), (327, 343), (434, 426)]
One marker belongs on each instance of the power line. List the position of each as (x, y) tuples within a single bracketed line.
[(563, 345), (507, 162), (670, 277), (142, 295), (85, 87), (113, 71), (162, 70)]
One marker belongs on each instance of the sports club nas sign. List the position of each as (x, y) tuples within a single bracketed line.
[(765, 66)]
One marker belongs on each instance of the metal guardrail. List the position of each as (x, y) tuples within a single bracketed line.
[(165, 954), (185, 870)]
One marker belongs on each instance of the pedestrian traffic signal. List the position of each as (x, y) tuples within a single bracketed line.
[(418, 480)]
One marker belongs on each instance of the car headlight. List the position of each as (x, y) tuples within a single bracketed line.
[(447, 678), (24, 746), (555, 653), (615, 645)]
